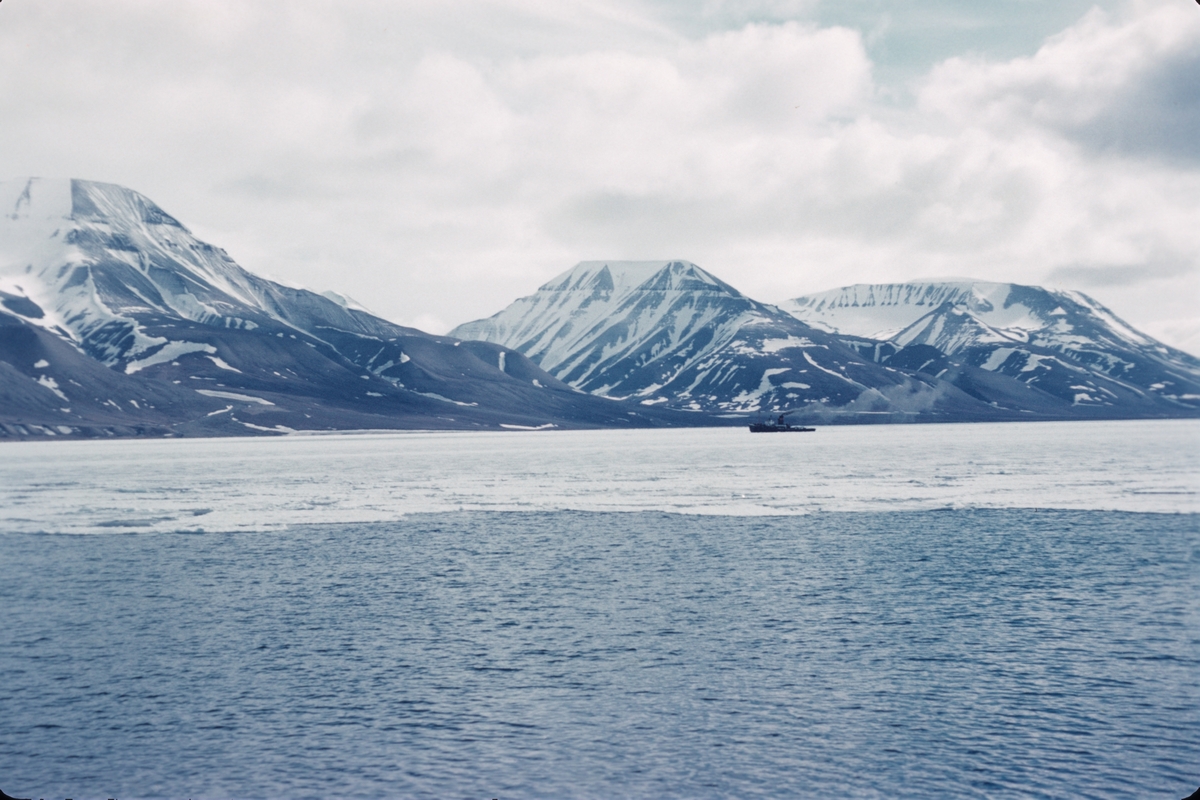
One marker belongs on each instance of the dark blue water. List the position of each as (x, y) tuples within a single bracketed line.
[(502, 655)]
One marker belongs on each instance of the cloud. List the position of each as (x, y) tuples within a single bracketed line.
[(1155, 267), (1131, 85), (439, 159), (1158, 115)]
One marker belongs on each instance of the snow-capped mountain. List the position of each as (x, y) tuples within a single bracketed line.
[(667, 332), (670, 333), (106, 266), (116, 319), (1064, 344)]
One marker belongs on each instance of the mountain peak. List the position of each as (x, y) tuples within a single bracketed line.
[(102, 202), (56, 199), (950, 327), (623, 277)]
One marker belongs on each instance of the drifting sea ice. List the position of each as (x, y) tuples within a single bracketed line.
[(267, 483)]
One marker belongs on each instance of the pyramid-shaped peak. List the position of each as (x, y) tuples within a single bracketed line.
[(950, 327)]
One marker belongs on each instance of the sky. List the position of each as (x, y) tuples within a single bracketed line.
[(437, 159)]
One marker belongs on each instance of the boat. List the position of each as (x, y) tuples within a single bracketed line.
[(778, 426)]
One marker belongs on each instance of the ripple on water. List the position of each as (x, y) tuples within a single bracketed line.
[(1005, 653)]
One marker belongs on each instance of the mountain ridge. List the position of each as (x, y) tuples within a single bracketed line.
[(121, 282), (116, 321), (1001, 350)]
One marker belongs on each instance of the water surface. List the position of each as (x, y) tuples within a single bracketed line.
[(998, 653), (924, 611)]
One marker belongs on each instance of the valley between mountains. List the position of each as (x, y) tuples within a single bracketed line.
[(116, 321)]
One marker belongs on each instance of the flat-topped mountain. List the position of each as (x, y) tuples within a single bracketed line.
[(1030, 314), (114, 318), (1063, 343)]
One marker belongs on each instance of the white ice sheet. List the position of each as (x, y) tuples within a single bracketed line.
[(270, 483)]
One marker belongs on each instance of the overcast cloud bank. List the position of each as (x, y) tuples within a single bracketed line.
[(437, 160)]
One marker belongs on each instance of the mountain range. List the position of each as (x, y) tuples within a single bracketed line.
[(669, 334), (116, 321)]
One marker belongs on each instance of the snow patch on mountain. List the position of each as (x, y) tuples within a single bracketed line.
[(775, 345), (52, 385), (345, 301), (242, 398), (168, 352), (220, 362)]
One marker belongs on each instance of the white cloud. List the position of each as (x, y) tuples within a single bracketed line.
[(1095, 76), (743, 11), (439, 159)]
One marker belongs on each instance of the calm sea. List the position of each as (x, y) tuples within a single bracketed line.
[(925, 611)]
